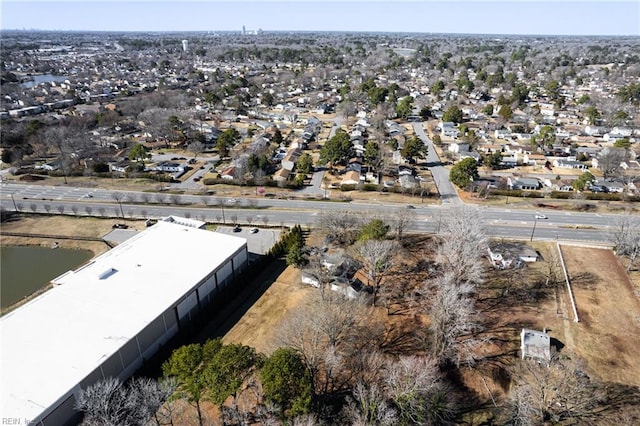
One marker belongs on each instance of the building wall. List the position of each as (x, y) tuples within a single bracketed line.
[(124, 363)]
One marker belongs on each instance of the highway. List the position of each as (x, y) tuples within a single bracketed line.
[(500, 222)]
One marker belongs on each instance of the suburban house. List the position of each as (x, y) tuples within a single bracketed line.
[(170, 167), (535, 345), (559, 184), (351, 177), (120, 166), (408, 181), (569, 164), (281, 175), (449, 129), (523, 183), (611, 186), (458, 147), (290, 159), (51, 165), (508, 255), (228, 173)]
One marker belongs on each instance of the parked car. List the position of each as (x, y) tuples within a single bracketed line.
[(253, 230), (120, 226), (237, 229)]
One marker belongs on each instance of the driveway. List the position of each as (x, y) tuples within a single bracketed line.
[(315, 187)]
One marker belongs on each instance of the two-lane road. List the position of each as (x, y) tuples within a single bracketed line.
[(440, 174)]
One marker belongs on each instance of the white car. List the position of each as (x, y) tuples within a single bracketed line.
[(253, 230), (541, 216)]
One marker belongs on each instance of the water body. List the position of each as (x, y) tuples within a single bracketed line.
[(27, 269), (44, 78)]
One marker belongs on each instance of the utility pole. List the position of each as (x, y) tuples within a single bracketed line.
[(14, 202), (535, 222)]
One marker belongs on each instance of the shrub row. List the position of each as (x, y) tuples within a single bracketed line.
[(270, 183)]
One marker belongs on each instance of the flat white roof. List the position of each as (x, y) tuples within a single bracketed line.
[(52, 343)]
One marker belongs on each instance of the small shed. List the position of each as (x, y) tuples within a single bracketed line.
[(535, 344)]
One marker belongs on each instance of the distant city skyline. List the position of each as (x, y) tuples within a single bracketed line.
[(500, 17)]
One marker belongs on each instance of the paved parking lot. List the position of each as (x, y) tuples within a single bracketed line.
[(257, 243), (120, 235)]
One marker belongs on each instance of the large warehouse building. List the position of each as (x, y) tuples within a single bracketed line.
[(107, 317)]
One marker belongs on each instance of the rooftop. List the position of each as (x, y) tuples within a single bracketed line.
[(53, 342), (535, 344)]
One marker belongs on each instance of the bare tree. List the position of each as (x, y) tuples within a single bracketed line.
[(160, 198), (557, 392), (320, 271), (196, 148), (626, 238), (19, 206), (369, 406), (33, 207), (454, 321), (609, 161), (416, 387), (552, 271), (88, 210), (108, 402), (148, 396), (104, 403), (463, 244), (102, 211), (341, 226), (74, 209), (328, 333), (401, 220), (175, 199), (118, 196), (145, 197), (377, 260), (60, 208), (265, 220)]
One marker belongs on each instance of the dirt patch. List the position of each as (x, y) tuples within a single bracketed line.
[(608, 336), (259, 327)]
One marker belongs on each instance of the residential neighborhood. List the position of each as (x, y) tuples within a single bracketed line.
[(526, 127), (320, 227)]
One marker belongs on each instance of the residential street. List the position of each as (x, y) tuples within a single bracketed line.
[(440, 174)]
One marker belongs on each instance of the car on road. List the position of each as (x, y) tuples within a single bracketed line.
[(253, 230), (541, 216), (232, 201), (87, 196), (237, 229)]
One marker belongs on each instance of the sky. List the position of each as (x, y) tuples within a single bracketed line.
[(543, 17)]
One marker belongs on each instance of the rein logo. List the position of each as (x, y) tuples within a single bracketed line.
[(15, 421)]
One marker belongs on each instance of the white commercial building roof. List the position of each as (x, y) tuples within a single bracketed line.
[(52, 343)]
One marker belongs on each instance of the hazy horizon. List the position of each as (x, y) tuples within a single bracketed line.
[(471, 17)]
